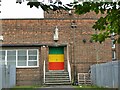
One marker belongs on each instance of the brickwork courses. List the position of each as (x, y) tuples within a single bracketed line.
[(40, 32)]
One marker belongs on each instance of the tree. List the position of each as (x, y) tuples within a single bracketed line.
[(107, 26)]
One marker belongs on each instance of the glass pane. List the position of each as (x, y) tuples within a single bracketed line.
[(11, 53), (2, 52), (22, 53), (32, 58), (113, 45), (22, 58), (32, 52), (32, 63), (11, 57), (2, 55), (113, 54), (22, 63)]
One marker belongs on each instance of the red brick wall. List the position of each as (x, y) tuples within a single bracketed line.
[(118, 51), (40, 31), (28, 76), (65, 14)]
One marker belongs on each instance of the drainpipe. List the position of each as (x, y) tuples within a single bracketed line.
[(74, 26)]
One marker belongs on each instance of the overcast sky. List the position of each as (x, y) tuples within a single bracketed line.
[(11, 9)]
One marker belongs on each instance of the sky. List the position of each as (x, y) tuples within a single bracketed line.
[(11, 9)]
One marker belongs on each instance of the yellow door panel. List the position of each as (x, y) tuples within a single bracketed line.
[(56, 57)]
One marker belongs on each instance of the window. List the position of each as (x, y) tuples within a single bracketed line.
[(20, 58), (32, 57), (113, 55), (113, 40), (11, 57), (113, 45), (2, 57)]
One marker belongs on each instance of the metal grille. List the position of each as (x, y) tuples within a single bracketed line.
[(84, 79)]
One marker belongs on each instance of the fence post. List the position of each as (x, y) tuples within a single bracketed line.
[(119, 74), (0, 77)]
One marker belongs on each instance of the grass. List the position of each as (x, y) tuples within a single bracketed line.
[(25, 87), (80, 87), (84, 87)]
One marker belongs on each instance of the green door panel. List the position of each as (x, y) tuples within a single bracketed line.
[(56, 50)]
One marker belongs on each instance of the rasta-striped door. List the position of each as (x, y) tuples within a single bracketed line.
[(56, 58)]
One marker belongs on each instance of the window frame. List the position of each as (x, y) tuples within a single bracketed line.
[(21, 55), (16, 50)]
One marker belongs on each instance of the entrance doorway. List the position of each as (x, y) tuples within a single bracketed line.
[(56, 58)]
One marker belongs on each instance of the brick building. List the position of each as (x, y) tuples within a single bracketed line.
[(54, 43)]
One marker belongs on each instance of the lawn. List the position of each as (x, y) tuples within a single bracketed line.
[(83, 87), (25, 87)]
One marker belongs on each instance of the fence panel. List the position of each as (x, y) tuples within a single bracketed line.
[(7, 76), (0, 77), (12, 75), (119, 74), (105, 75)]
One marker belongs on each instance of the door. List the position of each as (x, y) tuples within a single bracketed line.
[(56, 58)]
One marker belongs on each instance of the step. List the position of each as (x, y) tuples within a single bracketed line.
[(56, 75), (57, 78), (58, 83), (56, 72)]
